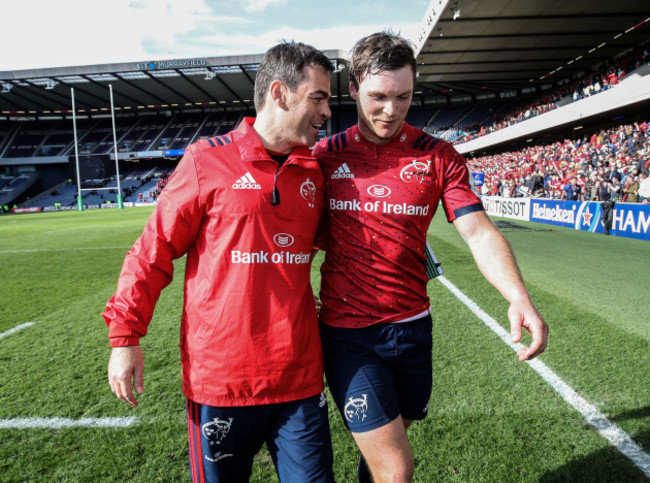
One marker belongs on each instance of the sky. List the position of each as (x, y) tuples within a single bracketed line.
[(46, 33)]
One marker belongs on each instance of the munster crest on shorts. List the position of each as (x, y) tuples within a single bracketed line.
[(355, 409), (214, 432)]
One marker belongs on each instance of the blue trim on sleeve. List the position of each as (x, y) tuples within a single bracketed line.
[(425, 142), (330, 147), (336, 142), (420, 140), (220, 140), (432, 142), (466, 210)]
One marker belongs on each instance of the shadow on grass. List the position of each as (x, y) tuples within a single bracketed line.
[(608, 464), (633, 414), (643, 438)]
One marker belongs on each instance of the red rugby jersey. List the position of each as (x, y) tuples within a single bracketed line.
[(380, 200)]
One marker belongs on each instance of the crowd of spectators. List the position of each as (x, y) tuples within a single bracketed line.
[(611, 164), (162, 182), (606, 77)]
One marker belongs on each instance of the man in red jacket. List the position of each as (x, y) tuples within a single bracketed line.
[(244, 207), (384, 180)]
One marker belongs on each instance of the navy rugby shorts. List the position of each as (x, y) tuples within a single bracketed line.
[(379, 372), (224, 440)]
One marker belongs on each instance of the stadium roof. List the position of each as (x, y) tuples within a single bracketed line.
[(472, 48), (467, 50), (183, 84)]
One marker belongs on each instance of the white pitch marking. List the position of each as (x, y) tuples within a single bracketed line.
[(58, 423), (615, 435), (64, 249), (83, 227), (16, 329)]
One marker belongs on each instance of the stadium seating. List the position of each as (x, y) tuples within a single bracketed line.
[(592, 83), (623, 151), (150, 133), (13, 187), (167, 133)]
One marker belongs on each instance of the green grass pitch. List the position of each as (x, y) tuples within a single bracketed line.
[(491, 417)]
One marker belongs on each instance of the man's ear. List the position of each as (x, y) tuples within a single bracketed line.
[(278, 92), (354, 93)]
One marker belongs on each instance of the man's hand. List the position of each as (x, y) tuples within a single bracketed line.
[(125, 366), (497, 263), (318, 303), (524, 314)]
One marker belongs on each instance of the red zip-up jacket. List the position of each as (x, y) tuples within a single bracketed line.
[(249, 330)]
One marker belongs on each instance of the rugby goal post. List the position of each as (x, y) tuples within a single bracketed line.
[(80, 202)]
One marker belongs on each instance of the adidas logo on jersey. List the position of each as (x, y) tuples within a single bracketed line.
[(342, 172), (246, 182)]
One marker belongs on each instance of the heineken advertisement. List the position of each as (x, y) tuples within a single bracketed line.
[(630, 220)]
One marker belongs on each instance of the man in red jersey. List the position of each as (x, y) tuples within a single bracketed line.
[(384, 179), (244, 207)]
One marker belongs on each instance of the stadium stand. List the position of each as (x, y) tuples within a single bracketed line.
[(622, 151), (13, 187), (604, 78), (149, 133), (142, 185), (174, 133), (459, 97), (63, 194)]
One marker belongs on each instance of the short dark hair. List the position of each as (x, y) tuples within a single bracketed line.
[(285, 62), (379, 52)]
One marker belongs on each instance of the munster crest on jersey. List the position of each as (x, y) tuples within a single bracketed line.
[(308, 192), (415, 170)]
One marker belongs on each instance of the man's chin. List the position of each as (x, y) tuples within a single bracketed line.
[(312, 140), (387, 134)]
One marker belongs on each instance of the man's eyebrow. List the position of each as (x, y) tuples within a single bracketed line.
[(382, 93), (321, 93)]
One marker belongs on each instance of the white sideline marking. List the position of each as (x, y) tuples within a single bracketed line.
[(64, 249), (615, 435), (83, 227), (58, 423), (16, 329)]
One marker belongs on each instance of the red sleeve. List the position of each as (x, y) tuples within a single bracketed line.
[(147, 269), (458, 198), (319, 148)]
